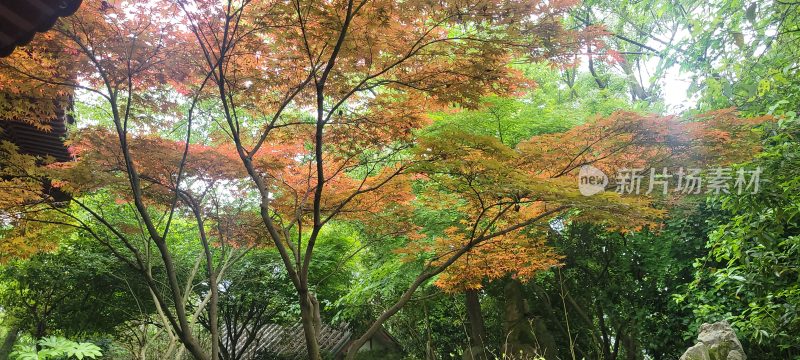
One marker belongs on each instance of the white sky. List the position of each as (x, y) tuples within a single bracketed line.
[(674, 90)]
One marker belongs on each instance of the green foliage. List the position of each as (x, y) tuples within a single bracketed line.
[(259, 280), (750, 275), (546, 108), (619, 285), (740, 53), (510, 120), (379, 280), (53, 347), (78, 289), (337, 259)]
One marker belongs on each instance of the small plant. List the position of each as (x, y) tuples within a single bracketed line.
[(54, 347)]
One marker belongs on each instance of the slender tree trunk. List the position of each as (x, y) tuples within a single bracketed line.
[(631, 345), (522, 335), (475, 318), (637, 91), (142, 344), (8, 343), (588, 322), (213, 276), (429, 353), (477, 331), (40, 330), (308, 315), (546, 309), (600, 83), (604, 331), (187, 338), (213, 317)]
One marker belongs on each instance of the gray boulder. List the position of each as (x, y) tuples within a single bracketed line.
[(696, 352), (716, 341)]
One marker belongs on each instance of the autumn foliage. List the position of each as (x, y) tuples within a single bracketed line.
[(492, 186)]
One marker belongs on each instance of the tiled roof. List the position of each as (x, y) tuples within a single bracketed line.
[(20, 20), (289, 341), (34, 141)]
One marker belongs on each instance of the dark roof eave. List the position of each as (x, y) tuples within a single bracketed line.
[(21, 20)]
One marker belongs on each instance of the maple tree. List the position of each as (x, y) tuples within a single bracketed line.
[(505, 198), (120, 54), (353, 78), (490, 184)]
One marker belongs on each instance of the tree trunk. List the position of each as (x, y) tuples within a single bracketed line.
[(39, 333), (604, 331), (8, 342), (522, 337), (477, 331), (316, 312), (631, 345), (475, 318), (213, 317), (546, 308), (309, 314), (637, 91)]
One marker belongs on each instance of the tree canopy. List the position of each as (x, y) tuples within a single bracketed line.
[(408, 171)]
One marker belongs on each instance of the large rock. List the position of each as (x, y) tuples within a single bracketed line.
[(716, 341), (696, 352)]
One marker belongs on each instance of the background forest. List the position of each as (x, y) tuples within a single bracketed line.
[(404, 171)]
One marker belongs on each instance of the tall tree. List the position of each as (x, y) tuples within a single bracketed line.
[(328, 59)]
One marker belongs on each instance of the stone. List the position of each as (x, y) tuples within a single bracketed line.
[(696, 352), (716, 341), (736, 355), (721, 340)]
